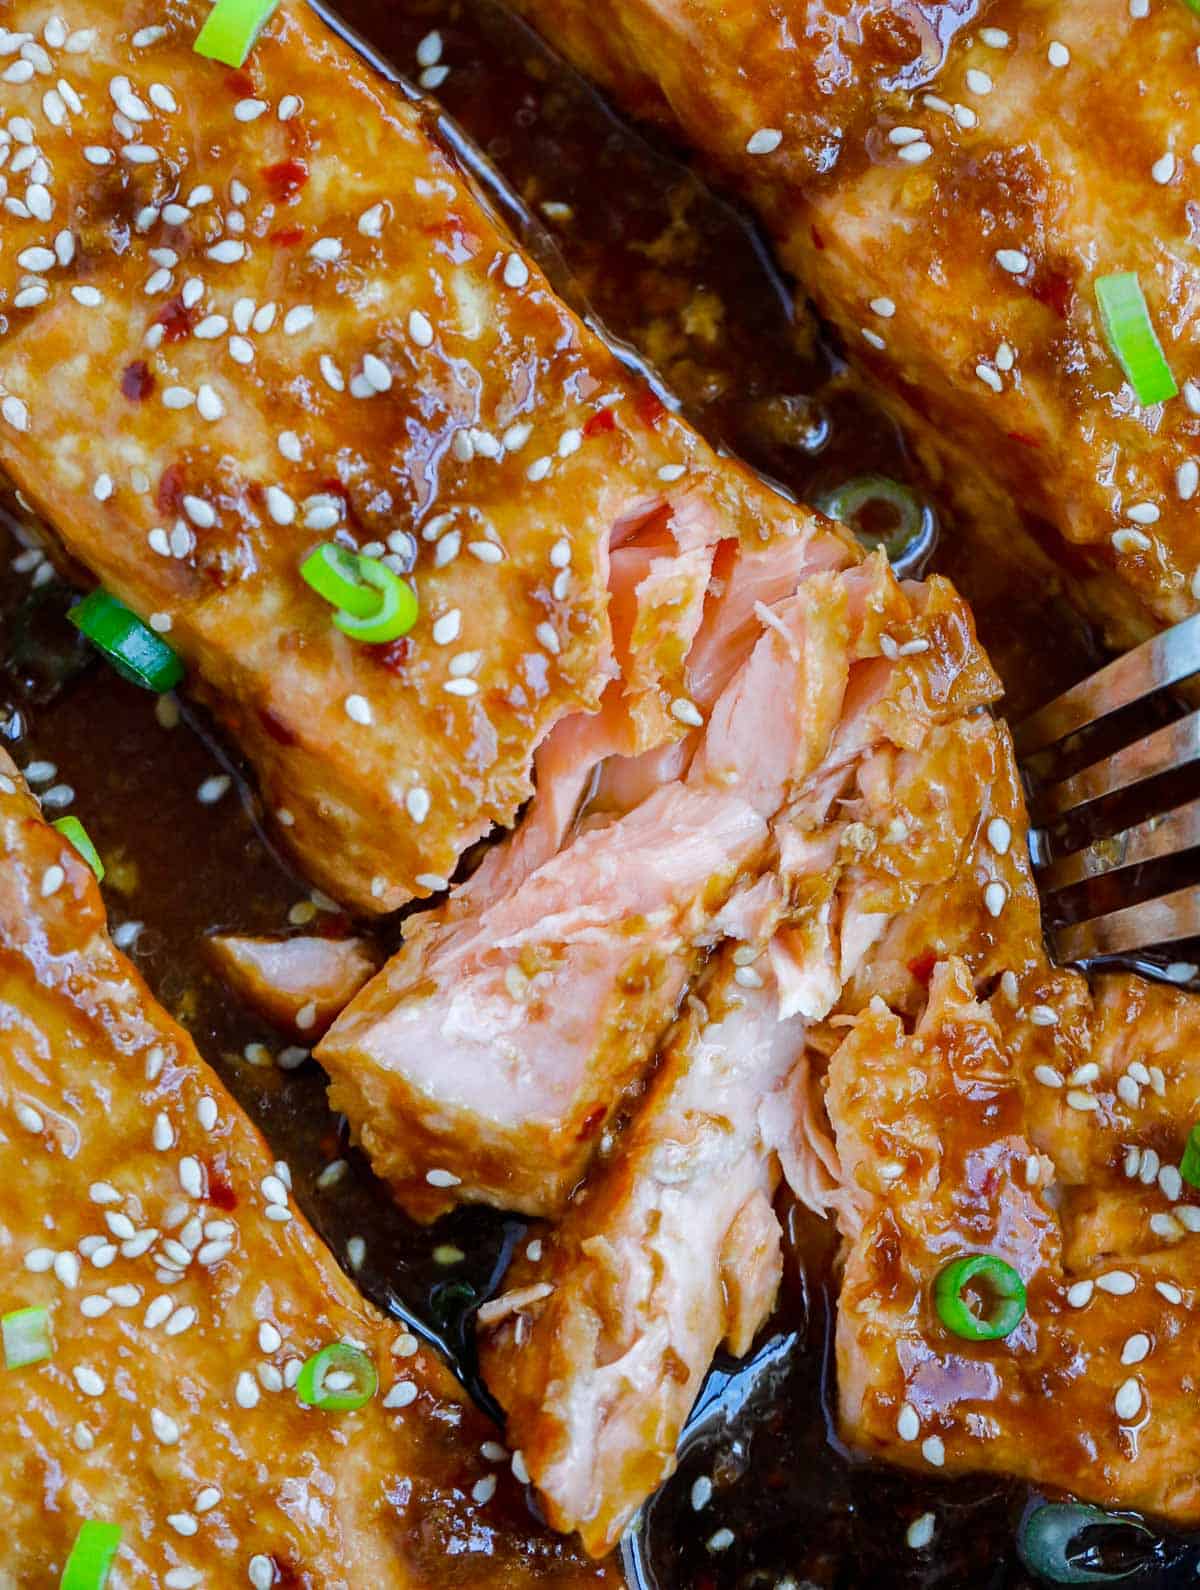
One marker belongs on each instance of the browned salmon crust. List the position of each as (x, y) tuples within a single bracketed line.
[(184, 1291), (945, 182)]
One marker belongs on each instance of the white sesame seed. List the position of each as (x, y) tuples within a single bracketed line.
[(39, 1260), (1077, 1099), (209, 404), (88, 1381), (994, 898), (178, 397), (1127, 1403), (1188, 1217), (933, 1450), (448, 627), (429, 50), (516, 272), (908, 1423), (1168, 1290), (1119, 1283), (359, 709), (52, 881), (899, 136), (687, 712), (1080, 1294), (370, 222), (191, 1177), (401, 1394), (764, 142), (30, 1118), (15, 413), (182, 1578), (1058, 54), (1083, 1076), (989, 377), (289, 105), (66, 1269), (1043, 1016), (442, 1178), (1143, 513), (920, 1532), (261, 1572), (1149, 1169), (1163, 168), (95, 1307), (721, 1540), (1130, 541), (246, 1390), (999, 834), (1135, 1349), (978, 82), (434, 76), (916, 154), (249, 109), (420, 329), (1187, 478)]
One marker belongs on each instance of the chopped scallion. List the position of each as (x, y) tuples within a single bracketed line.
[(231, 28), (337, 1379), (882, 512), (1189, 1165), (1132, 338), (999, 1290), (373, 604), (91, 1556), (26, 1336), (133, 649), (1054, 1544), (71, 828)]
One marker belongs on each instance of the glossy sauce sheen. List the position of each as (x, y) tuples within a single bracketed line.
[(684, 281)]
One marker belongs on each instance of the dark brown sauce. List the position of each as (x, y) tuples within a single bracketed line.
[(683, 280)]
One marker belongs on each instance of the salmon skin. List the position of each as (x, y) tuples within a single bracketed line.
[(183, 1292), (943, 182)]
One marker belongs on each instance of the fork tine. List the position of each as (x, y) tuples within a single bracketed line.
[(1165, 920), (1164, 660), (1165, 835), (1170, 747)]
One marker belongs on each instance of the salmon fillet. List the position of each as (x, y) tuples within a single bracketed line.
[(246, 313), (944, 181), (485, 1060), (608, 1323), (1044, 1126), (184, 1292)]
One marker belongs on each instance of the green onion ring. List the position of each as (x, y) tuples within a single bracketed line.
[(91, 1556), (846, 502), (133, 649), (1049, 1531), (339, 1358), (74, 831), (373, 604), (1189, 1165), (231, 28), (26, 1336), (1006, 1289), (1131, 336)]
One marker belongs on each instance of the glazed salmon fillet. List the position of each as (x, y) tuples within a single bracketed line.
[(1044, 1126), (944, 181), (597, 1348), (184, 1291), (247, 313)]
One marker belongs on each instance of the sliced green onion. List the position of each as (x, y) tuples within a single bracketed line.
[(881, 512), (231, 28), (27, 1338), (71, 828), (134, 650), (1004, 1297), (1050, 1531), (374, 604), (353, 1375), (1189, 1165), (91, 1556), (1132, 337)]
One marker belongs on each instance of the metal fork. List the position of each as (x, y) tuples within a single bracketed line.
[(1042, 740)]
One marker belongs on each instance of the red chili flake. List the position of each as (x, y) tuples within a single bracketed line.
[(285, 179), (276, 727), (287, 236), (240, 84), (818, 240), (455, 239), (170, 489), (176, 320), (922, 967), (1026, 441), (394, 656), (602, 420), (593, 1121), (136, 381), (650, 407), (1054, 289), (220, 1189)]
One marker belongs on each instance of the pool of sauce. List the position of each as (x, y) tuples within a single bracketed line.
[(682, 280)]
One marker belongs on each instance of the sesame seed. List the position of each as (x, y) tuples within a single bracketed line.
[(1170, 1182), (989, 377), (1127, 1403), (916, 154), (1080, 1293), (246, 1390), (359, 709), (1084, 1075), (66, 1269), (1044, 1016), (1077, 1099), (872, 337), (1058, 54), (401, 1394), (182, 1579), (1047, 1076), (920, 1532), (191, 1177), (1130, 541), (88, 1381), (908, 1423), (1118, 1283), (1163, 168), (686, 711), (429, 50), (516, 272), (899, 136), (420, 329), (1135, 1349), (999, 834), (370, 222), (1188, 1217), (209, 404), (1143, 513), (261, 1572), (442, 1178), (994, 898), (884, 307), (721, 1540), (1187, 478), (764, 142), (29, 1118), (1168, 1290), (933, 1450), (978, 82), (434, 76), (249, 109), (447, 628), (1149, 1168)]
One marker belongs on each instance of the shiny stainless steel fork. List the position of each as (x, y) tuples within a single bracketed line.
[(1071, 802)]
